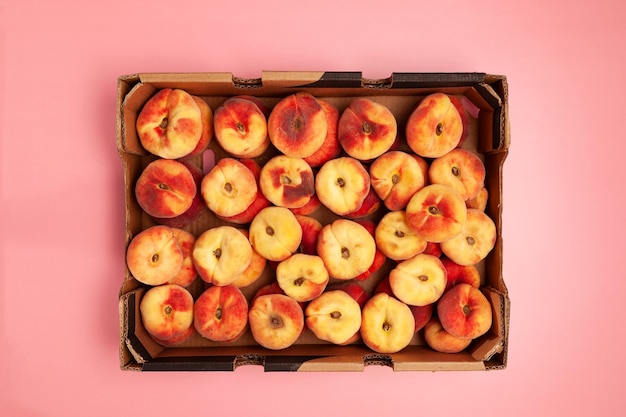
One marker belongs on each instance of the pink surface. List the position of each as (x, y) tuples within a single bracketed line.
[(61, 186)]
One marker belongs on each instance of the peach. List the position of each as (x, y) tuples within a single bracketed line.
[(287, 182), (170, 124), (276, 321), (433, 248), (221, 313), (475, 241), (440, 340), (479, 201), (461, 169), (297, 125), (241, 128), (275, 233), (221, 255), (370, 205), (465, 117), (346, 248), (197, 207), (330, 148), (165, 188), (154, 255), (353, 289), (387, 324), (379, 258), (166, 311), (206, 137), (229, 188), (421, 314), (259, 202), (334, 317), (302, 277), (460, 273), (265, 109), (418, 281), (342, 184), (436, 212), (465, 312), (310, 207), (434, 127), (395, 239), (254, 270), (366, 129), (311, 228), (396, 176), (187, 273), (178, 339)]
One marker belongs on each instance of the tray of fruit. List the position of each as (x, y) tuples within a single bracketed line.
[(313, 221)]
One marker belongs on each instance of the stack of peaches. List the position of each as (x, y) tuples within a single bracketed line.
[(416, 205)]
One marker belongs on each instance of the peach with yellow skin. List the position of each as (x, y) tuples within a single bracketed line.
[(460, 169), (229, 188), (418, 281), (366, 129), (387, 324), (302, 277), (465, 312), (187, 273), (379, 257), (395, 239), (334, 317), (254, 270), (370, 205), (165, 188), (166, 311), (330, 148), (421, 314), (434, 127), (221, 313), (241, 128), (436, 212), (479, 201), (297, 125), (259, 202), (154, 255), (221, 255), (275, 233), (475, 240), (441, 341), (342, 184), (276, 321), (396, 176), (347, 249), (170, 124), (287, 182)]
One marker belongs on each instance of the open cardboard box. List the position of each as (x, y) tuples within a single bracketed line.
[(489, 136)]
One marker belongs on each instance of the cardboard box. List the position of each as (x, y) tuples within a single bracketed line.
[(489, 136)]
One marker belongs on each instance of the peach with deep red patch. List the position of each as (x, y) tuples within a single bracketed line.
[(166, 311), (297, 125), (221, 313)]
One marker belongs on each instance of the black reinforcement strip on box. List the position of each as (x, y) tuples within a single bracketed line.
[(332, 79), (196, 363), (435, 79), (286, 363), (132, 338)]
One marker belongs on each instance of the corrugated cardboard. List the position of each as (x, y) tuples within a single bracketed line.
[(489, 135)]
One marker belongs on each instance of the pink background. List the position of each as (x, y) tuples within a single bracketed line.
[(61, 210)]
